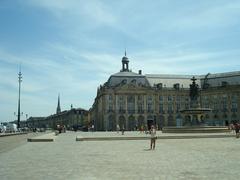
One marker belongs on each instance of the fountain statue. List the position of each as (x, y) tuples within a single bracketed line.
[(195, 114)]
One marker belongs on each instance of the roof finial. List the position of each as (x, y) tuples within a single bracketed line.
[(125, 52)]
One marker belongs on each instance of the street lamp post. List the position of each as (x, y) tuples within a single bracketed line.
[(15, 114), (19, 90), (26, 120)]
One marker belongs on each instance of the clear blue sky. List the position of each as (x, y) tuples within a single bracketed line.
[(72, 46)]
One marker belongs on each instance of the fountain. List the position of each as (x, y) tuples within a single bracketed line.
[(195, 121), (196, 114)]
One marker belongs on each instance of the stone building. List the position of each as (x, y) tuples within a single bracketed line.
[(70, 118), (133, 100)]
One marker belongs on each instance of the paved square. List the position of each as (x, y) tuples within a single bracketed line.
[(66, 158)]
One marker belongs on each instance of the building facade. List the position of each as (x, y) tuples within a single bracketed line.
[(75, 117), (133, 100)]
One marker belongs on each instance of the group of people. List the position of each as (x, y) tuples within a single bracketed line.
[(61, 128), (152, 132)]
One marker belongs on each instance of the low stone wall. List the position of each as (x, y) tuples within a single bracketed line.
[(206, 129)]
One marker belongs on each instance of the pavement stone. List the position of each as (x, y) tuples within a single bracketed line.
[(214, 158)]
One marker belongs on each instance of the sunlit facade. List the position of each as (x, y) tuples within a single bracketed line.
[(133, 100)]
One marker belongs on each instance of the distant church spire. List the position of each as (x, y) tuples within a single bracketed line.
[(58, 106)]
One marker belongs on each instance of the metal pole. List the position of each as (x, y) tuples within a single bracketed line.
[(19, 89), (26, 120)]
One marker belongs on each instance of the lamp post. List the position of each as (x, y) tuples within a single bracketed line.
[(26, 120), (19, 90), (81, 118)]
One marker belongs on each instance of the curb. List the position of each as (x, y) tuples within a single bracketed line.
[(147, 138), (12, 134)]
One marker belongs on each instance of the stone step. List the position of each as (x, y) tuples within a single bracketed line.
[(195, 130), (116, 138)]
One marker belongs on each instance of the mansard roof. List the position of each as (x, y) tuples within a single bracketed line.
[(127, 77), (222, 75), (220, 79), (169, 80)]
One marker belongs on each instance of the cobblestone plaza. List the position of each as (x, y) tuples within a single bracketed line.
[(66, 158)]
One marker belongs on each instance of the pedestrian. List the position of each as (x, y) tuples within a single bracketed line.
[(123, 130), (237, 127), (118, 128), (153, 137), (232, 127), (142, 129), (92, 127)]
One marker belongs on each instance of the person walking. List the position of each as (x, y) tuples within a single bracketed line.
[(141, 129), (123, 130), (237, 127), (118, 128), (153, 137)]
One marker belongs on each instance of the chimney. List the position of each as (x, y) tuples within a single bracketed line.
[(140, 72)]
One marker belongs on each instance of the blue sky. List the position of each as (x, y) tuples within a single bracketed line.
[(72, 46)]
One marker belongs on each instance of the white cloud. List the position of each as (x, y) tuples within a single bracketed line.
[(184, 62), (213, 15), (93, 11)]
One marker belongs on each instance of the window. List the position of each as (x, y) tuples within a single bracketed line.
[(234, 104), (140, 108), (224, 103), (160, 98), (140, 98), (170, 98), (205, 102), (110, 107), (178, 107), (150, 104), (170, 108), (131, 104), (149, 107), (178, 98), (121, 104), (215, 104), (161, 108)]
